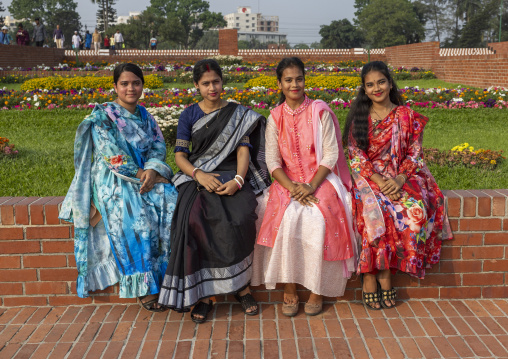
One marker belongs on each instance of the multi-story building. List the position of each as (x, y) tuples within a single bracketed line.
[(264, 29), (124, 19)]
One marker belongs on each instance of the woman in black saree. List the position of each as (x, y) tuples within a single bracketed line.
[(213, 230)]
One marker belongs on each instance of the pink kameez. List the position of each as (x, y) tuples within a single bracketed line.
[(312, 246)]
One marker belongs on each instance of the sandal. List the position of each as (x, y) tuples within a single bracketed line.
[(290, 309), (149, 305), (388, 295), (369, 298), (247, 301), (313, 309), (202, 309)]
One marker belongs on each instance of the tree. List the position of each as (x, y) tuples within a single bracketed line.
[(51, 13), (105, 15), (340, 34), (209, 41), (478, 24), (2, 9), (193, 15), (436, 17), (390, 23), (359, 6), (316, 45)]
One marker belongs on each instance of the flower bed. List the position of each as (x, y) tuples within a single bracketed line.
[(464, 155), (81, 82), (6, 148)]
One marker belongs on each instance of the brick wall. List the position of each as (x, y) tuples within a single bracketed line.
[(413, 55), (37, 265), (29, 56), (228, 42)]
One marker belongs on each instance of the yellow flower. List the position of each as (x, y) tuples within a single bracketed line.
[(492, 162)]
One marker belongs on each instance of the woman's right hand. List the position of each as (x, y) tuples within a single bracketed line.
[(208, 180), (303, 193)]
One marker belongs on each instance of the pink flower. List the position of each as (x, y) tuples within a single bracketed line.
[(416, 218), (116, 161)]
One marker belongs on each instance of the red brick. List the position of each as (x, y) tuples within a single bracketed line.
[(460, 293), (454, 224), (498, 202), (7, 210), (468, 203), (495, 292), (484, 203), (20, 247), (480, 224), (10, 262), (37, 210), (495, 265), (69, 300), (21, 210), (441, 280), (48, 232), (25, 301), (505, 224), (46, 288), (101, 299), (451, 252), (456, 266), (466, 239), (58, 247), (11, 233), (496, 238), (70, 274), (482, 252), (18, 275), (483, 279), (11, 288), (453, 201), (44, 261), (51, 210)]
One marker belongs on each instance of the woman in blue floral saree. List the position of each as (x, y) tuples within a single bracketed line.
[(120, 200)]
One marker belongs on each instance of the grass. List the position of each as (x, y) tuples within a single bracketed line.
[(44, 166), (433, 83), (10, 86)]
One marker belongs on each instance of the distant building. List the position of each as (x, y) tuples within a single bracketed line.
[(123, 19), (12, 23), (264, 29)]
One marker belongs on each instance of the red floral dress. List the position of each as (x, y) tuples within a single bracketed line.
[(409, 230)]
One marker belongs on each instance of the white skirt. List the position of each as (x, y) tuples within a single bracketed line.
[(297, 255)]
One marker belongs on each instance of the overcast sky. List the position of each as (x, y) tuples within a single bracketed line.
[(299, 19)]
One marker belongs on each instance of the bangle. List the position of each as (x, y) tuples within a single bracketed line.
[(403, 178), (194, 172), (311, 186), (238, 183), (243, 182)]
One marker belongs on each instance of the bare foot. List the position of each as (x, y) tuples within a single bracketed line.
[(290, 296)]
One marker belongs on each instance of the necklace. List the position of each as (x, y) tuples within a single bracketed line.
[(218, 113), (377, 114)]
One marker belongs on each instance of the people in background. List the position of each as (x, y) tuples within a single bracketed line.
[(97, 39), (58, 37), (76, 41), (88, 40), (153, 43), (118, 40), (5, 37), (22, 37), (39, 34), (106, 41)]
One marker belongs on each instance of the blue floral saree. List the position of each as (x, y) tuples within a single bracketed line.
[(131, 243)]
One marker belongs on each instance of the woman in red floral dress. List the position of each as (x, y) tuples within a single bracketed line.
[(398, 206)]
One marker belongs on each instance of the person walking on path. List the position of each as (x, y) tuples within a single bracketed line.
[(22, 36), (5, 37), (58, 37), (399, 209), (306, 236), (96, 38), (118, 40), (39, 34), (76, 41), (88, 40)]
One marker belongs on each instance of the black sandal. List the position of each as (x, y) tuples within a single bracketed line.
[(247, 301), (149, 305), (202, 309), (370, 298), (388, 295)]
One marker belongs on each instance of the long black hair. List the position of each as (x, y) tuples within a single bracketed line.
[(127, 67), (203, 66), (357, 122), (284, 64)]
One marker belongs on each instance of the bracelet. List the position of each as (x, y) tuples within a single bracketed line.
[(308, 184), (238, 183), (243, 182), (194, 173), (403, 177)]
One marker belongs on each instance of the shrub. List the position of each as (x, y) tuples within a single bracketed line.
[(81, 82), (321, 81)]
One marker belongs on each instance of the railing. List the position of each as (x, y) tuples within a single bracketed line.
[(124, 52), (466, 51)]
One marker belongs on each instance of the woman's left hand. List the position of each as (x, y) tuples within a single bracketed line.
[(229, 188), (148, 178), (392, 185), (302, 192)]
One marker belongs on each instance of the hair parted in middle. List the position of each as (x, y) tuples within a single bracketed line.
[(357, 122), (284, 64), (205, 65)]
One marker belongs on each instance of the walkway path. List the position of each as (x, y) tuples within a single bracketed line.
[(415, 329)]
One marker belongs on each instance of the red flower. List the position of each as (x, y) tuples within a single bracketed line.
[(116, 160)]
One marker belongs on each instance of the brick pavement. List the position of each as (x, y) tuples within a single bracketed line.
[(415, 329)]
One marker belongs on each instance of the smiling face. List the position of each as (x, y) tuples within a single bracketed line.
[(129, 89), (210, 86), (292, 85), (377, 88)]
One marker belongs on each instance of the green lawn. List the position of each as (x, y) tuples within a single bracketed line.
[(44, 166), (433, 83)]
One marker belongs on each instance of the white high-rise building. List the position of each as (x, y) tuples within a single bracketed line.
[(246, 21)]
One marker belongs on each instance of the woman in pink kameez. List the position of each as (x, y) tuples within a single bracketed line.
[(398, 206), (306, 235)]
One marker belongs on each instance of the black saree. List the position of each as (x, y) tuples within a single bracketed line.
[(212, 236)]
